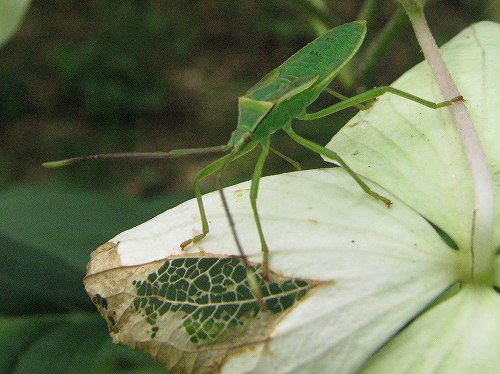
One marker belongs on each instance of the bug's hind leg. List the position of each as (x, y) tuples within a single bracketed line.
[(331, 154), (254, 189), (372, 94), (338, 95), (202, 174)]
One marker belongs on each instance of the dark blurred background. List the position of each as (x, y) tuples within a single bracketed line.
[(136, 75)]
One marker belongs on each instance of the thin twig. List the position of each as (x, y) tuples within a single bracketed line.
[(381, 44), (369, 10), (483, 214)]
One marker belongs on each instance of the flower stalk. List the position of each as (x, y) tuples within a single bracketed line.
[(478, 264)]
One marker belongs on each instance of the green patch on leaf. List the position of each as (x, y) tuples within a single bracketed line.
[(212, 295), (192, 309)]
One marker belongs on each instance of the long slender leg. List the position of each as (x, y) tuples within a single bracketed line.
[(254, 189), (372, 94), (217, 165), (331, 154), (342, 97), (251, 276), (231, 157), (200, 175), (291, 161)]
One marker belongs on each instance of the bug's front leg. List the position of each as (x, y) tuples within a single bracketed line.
[(200, 175), (254, 189)]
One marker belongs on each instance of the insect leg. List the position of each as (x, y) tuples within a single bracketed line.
[(372, 94), (230, 158), (331, 154), (342, 97), (217, 165), (291, 161), (254, 189), (251, 276), (202, 174)]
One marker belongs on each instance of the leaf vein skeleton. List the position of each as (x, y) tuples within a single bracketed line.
[(281, 96)]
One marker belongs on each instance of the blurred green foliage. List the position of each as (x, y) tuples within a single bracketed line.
[(47, 322), (104, 76)]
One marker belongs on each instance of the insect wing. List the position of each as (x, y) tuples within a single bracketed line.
[(268, 80), (326, 55), (315, 65), (282, 88)]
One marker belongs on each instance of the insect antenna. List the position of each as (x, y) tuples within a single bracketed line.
[(140, 155)]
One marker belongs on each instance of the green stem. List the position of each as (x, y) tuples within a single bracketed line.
[(369, 10), (381, 44), (481, 246), (317, 11)]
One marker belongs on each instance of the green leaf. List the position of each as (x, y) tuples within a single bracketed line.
[(64, 343), (70, 224), (67, 347), (32, 281), (11, 14), (47, 323), (16, 335)]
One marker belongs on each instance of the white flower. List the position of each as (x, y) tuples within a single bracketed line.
[(397, 297)]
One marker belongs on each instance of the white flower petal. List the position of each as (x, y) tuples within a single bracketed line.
[(461, 335), (414, 151), (386, 264)]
